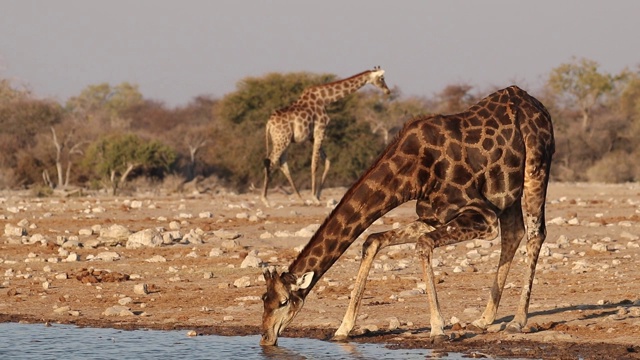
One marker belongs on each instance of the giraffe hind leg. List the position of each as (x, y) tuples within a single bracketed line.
[(511, 231), (471, 223), (267, 178), (535, 189)]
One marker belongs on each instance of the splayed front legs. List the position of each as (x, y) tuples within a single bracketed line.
[(370, 248)]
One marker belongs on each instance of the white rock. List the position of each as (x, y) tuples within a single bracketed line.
[(600, 247), (242, 282), (223, 234), (11, 230), (251, 261), (73, 257), (409, 293), (107, 256), (192, 238), (61, 310), (156, 259), (307, 231), (394, 323), (140, 289), (205, 215), (118, 310), (216, 252), (629, 236), (146, 237), (114, 234), (266, 235), (85, 232), (125, 300), (136, 204), (229, 244)]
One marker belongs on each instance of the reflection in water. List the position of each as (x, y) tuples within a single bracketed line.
[(36, 341)]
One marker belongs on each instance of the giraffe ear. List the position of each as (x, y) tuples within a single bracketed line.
[(304, 281)]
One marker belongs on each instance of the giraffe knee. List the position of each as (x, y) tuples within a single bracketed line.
[(424, 247), (371, 243)]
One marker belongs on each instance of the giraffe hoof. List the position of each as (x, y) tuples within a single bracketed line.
[(439, 339), (340, 338), (513, 329), (474, 328)]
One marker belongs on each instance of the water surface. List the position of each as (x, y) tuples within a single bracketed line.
[(37, 341)]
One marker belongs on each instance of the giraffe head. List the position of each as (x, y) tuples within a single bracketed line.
[(282, 301), (376, 77)]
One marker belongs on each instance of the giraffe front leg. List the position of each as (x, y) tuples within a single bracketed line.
[(285, 170), (424, 249), (371, 247), (369, 251), (327, 165), (473, 222)]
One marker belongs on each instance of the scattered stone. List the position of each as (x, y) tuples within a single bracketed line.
[(229, 235), (394, 323), (192, 333), (73, 257), (242, 282), (11, 230), (114, 235), (600, 247), (146, 237), (61, 310), (85, 232), (409, 293), (205, 215), (230, 244), (140, 289), (494, 328), (251, 261), (557, 221), (192, 238), (125, 300), (156, 259), (216, 252), (308, 231), (118, 310), (107, 256)]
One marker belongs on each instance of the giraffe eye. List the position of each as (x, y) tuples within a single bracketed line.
[(284, 302)]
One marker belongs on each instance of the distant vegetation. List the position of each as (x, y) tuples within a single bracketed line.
[(110, 137)]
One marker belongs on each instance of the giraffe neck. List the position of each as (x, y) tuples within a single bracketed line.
[(334, 91), (365, 202)]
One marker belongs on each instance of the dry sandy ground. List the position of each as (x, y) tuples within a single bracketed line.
[(585, 303)]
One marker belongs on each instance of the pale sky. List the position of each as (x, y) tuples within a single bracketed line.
[(177, 50)]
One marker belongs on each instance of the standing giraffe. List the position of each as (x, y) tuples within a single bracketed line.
[(306, 119), (469, 172)]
